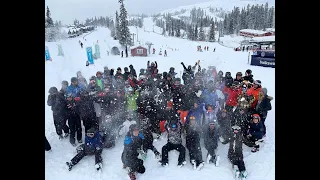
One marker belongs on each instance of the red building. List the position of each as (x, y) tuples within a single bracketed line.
[(139, 51)]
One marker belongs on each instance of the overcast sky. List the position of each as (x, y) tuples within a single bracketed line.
[(67, 10)]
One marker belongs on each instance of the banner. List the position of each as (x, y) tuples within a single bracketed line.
[(97, 51), (89, 55), (266, 53), (47, 54), (262, 61), (60, 51)]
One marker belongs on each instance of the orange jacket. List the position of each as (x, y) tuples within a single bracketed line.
[(255, 93)]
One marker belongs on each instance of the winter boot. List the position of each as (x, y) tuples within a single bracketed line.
[(73, 141), (157, 154), (255, 148), (163, 163), (180, 164), (194, 164), (243, 175), (98, 166), (200, 165), (217, 160), (132, 176), (66, 135), (70, 165), (60, 137)]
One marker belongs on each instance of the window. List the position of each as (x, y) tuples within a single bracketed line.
[(139, 51)]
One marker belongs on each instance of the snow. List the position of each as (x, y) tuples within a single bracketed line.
[(253, 31), (260, 165), (270, 29), (264, 38)]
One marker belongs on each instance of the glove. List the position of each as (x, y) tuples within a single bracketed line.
[(98, 148), (69, 106), (182, 63), (77, 98), (148, 61)]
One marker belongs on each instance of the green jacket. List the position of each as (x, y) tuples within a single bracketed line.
[(131, 99)]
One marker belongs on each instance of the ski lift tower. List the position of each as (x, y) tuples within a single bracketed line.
[(149, 44)]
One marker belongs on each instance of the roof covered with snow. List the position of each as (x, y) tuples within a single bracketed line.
[(253, 31), (133, 47), (263, 39), (270, 29)]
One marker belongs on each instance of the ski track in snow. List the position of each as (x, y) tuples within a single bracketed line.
[(260, 165)]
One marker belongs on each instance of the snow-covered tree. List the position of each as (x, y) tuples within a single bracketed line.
[(212, 33), (202, 36), (117, 26), (125, 36)]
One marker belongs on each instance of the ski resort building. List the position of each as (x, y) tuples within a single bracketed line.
[(254, 33), (138, 51)]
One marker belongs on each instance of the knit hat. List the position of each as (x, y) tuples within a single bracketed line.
[(265, 91), (91, 130)]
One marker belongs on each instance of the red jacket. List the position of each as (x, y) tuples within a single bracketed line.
[(232, 95), (255, 93)]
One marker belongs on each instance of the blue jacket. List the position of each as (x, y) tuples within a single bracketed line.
[(128, 139), (75, 90), (130, 153), (93, 142), (209, 97), (197, 113), (256, 130)]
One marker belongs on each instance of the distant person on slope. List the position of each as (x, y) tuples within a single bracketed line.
[(93, 146)]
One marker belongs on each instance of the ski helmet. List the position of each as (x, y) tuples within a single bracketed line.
[(228, 74), (248, 71), (239, 74)]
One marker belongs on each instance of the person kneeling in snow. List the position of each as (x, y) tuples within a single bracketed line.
[(193, 143), (235, 154), (92, 145), (148, 141), (255, 132), (174, 142), (132, 146)]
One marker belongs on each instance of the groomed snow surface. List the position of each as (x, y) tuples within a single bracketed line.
[(260, 165)]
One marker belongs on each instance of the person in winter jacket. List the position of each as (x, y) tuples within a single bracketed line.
[(47, 146), (239, 77), (232, 94), (92, 146), (81, 79), (132, 71), (99, 80), (263, 106), (254, 91), (73, 117), (64, 86), (255, 131), (248, 76), (174, 143), (171, 72), (87, 111), (142, 72), (224, 121), (193, 143), (153, 68), (59, 109), (133, 143), (131, 100), (209, 95), (126, 73), (210, 114), (235, 154), (195, 113), (211, 135), (75, 88), (148, 138), (228, 80), (124, 128)]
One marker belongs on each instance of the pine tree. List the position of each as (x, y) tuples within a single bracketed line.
[(125, 36), (202, 36), (112, 29), (195, 35), (212, 33), (178, 29), (117, 26), (49, 21)]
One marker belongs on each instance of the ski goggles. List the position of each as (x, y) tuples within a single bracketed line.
[(192, 118), (236, 128), (90, 134)]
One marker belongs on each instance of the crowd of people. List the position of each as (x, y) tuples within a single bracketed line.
[(141, 107)]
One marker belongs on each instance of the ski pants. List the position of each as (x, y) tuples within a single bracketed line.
[(240, 165), (60, 123), (84, 152), (264, 126), (168, 147), (155, 125), (148, 143), (74, 122), (195, 153), (47, 146), (136, 164)]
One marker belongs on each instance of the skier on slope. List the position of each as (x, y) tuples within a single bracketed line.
[(133, 145), (92, 146)]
